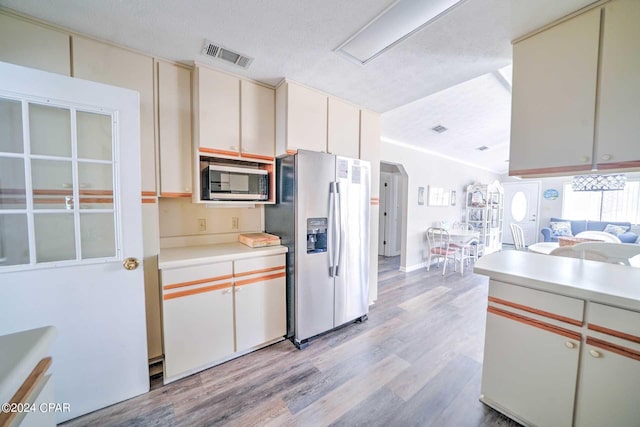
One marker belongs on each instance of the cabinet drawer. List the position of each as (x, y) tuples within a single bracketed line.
[(260, 266), (177, 282), (557, 307), (613, 321)]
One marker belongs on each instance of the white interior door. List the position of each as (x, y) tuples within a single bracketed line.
[(390, 214), (521, 204), (70, 214)]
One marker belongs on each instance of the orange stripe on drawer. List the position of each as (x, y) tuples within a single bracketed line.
[(292, 151), (148, 200), (614, 333), (536, 311), (264, 270), (260, 279), (25, 391), (197, 282), (175, 194), (216, 151), (148, 194), (197, 291), (535, 323), (258, 156), (614, 348)]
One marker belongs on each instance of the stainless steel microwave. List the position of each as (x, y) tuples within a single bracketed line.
[(223, 182)]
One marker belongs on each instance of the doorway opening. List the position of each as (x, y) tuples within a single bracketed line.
[(392, 228)]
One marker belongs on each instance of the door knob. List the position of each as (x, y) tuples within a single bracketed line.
[(131, 263)]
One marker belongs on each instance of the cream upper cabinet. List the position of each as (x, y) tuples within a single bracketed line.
[(111, 65), (174, 124), (216, 112), (343, 128), (301, 119), (618, 130), (370, 147), (257, 109), (34, 46), (554, 98)]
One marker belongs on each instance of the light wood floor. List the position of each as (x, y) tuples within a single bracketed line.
[(416, 361)]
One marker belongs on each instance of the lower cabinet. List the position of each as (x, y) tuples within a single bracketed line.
[(547, 364), (214, 312)]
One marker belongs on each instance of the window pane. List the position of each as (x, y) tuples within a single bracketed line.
[(96, 185), (11, 126), (55, 239), (12, 188), (580, 204), (14, 240), (94, 136), (52, 184), (97, 235), (50, 129), (518, 206), (623, 205)]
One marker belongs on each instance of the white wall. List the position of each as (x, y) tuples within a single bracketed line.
[(424, 169)]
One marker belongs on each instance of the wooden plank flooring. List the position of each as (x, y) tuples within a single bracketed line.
[(417, 361)]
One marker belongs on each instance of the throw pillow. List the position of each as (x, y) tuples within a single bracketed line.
[(616, 230), (560, 228)]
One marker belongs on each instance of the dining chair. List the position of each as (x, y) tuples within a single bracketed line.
[(518, 237), (438, 242)]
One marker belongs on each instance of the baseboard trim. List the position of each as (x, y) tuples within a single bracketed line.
[(411, 268)]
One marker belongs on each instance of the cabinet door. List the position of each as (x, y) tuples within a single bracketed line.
[(553, 98), (111, 65), (529, 371), (258, 121), (343, 132), (31, 45), (217, 112), (174, 119), (618, 125), (260, 300), (370, 147), (306, 119), (197, 317)]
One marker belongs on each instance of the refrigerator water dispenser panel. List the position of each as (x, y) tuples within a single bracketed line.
[(316, 235)]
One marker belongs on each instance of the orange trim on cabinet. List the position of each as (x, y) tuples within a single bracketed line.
[(536, 311), (264, 270), (257, 156), (197, 291), (614, 333), (216, 151), (197, 282), (25, 390), (558, 169), (619, 165), (614, 348), (185, 195), (260, 279), (148, 194), (148, 200), (292, 152), (535, 323)]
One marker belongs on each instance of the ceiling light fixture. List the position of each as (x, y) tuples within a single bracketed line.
[(482, 148), (396, 23)]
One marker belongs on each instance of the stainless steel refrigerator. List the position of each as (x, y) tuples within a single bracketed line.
[(322, 215)]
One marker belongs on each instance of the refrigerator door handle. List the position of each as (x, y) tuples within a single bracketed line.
[(338, 229), (331, 225)]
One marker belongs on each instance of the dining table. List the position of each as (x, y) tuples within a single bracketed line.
[(462, 238)]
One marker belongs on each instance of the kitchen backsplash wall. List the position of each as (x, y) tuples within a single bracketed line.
[(181, 223)]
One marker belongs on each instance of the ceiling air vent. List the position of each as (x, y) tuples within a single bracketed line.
[(482, 148), (217, 51), (439, 129)]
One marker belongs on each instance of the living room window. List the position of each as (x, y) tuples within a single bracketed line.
[(615, 206)]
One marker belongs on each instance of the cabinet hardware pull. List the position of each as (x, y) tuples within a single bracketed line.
[(606, 157), (187, 189), (228, 291), (595, 353), (570, 344), (584, 159), (238, 289)]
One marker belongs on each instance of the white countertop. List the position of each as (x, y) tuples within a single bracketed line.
[(20, 353), (195, 255), (595, 281)]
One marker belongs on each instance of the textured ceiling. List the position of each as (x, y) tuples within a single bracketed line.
[(296, 39)]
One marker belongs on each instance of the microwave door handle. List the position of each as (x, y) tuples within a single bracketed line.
[(330, 226)]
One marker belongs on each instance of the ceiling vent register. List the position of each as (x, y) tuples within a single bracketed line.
[(217, 51), (439, 129)]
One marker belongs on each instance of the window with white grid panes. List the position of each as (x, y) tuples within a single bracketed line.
[(57, 184)]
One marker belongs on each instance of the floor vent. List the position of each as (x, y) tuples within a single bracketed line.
[(217, 51)]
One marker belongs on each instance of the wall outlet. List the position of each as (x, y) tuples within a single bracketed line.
[(202, 224), (235, 223)]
